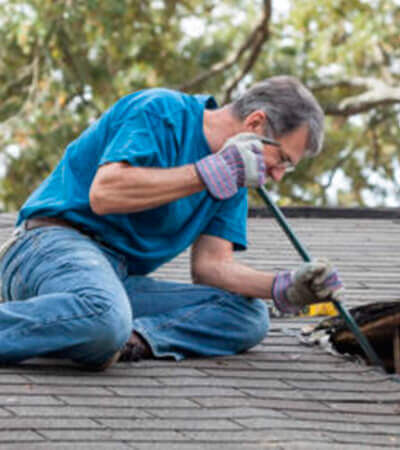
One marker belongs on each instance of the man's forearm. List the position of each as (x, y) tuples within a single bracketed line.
[(238, 278), (123, 189)]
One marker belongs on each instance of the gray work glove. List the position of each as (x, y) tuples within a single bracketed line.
[(239, 163), (314, 282)]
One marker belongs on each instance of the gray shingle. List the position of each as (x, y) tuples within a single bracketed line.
[(260, 436), (203, 446), (267, 423), (9, 400), (214, 413), (18, 436), (168, 391), (34, 389), (87, 380), (170, 424), (46, 445), (76, 411), (22, 423), (105, 435), (378, 440), (123, 402)]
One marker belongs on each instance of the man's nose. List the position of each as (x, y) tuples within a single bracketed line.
[(277, 173)]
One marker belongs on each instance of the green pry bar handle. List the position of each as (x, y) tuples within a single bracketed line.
[(350, 322)]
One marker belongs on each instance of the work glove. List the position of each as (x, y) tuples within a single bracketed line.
[(314, 282), (239, 163)]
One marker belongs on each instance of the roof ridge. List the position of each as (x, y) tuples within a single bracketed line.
[(331, 212)]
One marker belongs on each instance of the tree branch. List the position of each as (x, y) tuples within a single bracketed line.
[(31, 93), (377, 93), (356, 82), (256, 46), (23, 79), (250, 41), (335, 168), (74, 64)]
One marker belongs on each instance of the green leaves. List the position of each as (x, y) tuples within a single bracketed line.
[(63, 63)]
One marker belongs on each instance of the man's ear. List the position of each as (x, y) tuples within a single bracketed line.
[(255, 121)]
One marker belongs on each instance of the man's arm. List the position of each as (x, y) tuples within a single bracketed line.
[(119, 188), (122, 188), (212, 263)]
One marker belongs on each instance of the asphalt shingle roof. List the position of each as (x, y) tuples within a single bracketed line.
[(280, 395)]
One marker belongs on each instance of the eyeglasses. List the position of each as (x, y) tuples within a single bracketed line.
[(285, 162)]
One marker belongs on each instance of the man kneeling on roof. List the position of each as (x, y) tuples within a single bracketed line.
[(159, 171)]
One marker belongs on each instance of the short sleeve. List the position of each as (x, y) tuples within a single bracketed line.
[(230, 221), (133, 141)]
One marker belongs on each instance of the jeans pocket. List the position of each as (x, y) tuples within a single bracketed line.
[(5, 247), (13, 255)]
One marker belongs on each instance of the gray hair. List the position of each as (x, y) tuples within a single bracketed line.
[(288, 105)]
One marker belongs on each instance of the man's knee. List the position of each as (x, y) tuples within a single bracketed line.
[(109, 330), (255, 323), (113, 330)]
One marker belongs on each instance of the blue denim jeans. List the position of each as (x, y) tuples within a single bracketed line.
[(67, 295)]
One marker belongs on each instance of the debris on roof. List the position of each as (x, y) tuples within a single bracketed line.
[(380, 324)]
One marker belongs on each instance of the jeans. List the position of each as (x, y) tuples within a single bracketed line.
[(67, 295)]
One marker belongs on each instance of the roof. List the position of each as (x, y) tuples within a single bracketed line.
[(280, 394)]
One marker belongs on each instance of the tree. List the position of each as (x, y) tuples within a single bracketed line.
[(63, 63)]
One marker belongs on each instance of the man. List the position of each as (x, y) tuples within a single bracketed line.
[(159, 171)]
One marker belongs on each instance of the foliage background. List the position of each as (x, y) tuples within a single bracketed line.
[(63, 63)]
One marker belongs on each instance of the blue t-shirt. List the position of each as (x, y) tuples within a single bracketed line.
[(150, 128)]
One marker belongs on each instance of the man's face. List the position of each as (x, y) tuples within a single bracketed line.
[(281, 159)]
